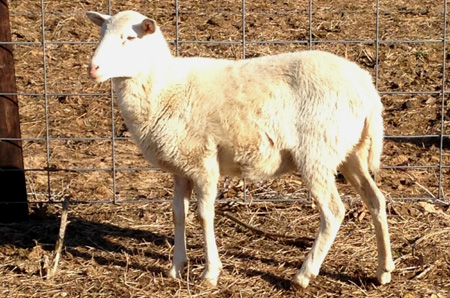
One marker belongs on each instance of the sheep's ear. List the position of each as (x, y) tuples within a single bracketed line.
[(97, 18), (148, 26)]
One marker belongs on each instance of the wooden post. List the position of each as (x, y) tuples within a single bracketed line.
[(12, 176)]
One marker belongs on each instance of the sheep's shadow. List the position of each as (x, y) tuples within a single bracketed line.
[(82, 233), (285, 283), (282, 283), (43, 231)]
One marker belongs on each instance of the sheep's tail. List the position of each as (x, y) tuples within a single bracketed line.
[(374, 135)]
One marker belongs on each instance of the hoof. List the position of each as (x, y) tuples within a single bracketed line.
[(172, 274), (384, 273), (301, 281), (210, 276), (175, 272), (384, 277), (209, 283)]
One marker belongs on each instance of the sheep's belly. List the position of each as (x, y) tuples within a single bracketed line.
[(254, 164)]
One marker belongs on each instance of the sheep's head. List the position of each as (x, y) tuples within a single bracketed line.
[(127, 45)]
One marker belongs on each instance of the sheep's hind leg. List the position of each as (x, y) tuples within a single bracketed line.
[(332, 212), (182, 194), (356, 171)]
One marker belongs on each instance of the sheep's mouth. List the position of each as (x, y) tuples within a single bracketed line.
[(99, 78)]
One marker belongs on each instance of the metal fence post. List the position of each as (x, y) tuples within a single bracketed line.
[(12, 176)]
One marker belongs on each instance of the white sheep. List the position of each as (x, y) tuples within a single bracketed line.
[(200, 118)]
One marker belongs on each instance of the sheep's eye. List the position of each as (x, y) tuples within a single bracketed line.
[(131, 38)]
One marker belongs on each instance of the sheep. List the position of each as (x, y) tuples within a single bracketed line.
[(199, 118)]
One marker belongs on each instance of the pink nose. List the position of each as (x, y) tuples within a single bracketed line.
[(93, 68)]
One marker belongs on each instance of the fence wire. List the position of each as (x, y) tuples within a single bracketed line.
[(311, 42)]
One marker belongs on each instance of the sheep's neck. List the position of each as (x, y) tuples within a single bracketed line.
[(139, 101)]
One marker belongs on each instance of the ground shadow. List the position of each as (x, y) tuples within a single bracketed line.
[(285, 283), (43, 231), (357, 279), (277, 281), (83, 233), (426, 141)]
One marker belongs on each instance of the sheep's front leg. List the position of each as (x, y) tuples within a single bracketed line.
[(182, 194), (206, 191)]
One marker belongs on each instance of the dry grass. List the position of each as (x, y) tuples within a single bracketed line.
[(124, 250)]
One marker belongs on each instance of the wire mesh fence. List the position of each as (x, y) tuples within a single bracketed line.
[(75, 143)]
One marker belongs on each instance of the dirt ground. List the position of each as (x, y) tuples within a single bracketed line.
[(124, 250)]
